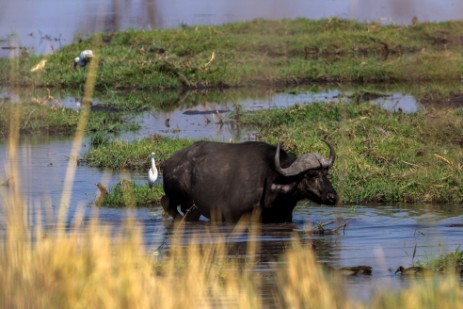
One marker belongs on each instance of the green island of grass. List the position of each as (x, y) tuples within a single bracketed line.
[(259, 52)]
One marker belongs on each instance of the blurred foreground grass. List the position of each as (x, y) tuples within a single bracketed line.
[(89, 268)]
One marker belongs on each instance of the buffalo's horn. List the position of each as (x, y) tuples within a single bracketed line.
[(332, 157), (305, 162)]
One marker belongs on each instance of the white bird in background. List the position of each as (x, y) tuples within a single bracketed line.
[(84, 58), (39, 66), (153, 172)]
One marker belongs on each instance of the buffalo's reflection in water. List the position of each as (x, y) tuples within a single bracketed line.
[(267, 242), (258, 248), (381, 237)]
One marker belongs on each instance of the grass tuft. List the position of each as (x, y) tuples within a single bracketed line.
[(129, 194), (133, 155)]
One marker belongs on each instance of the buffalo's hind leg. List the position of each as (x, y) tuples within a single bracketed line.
[(189, 209), (170, 206)]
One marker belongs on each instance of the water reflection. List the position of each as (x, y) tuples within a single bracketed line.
[(42, 162), (382, 237), (213, 120), (209, 115)]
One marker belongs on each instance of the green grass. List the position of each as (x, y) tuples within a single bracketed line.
[(129, 194), (381, 156), (266, 52), (39, 119), (133, 155), (446, 262)]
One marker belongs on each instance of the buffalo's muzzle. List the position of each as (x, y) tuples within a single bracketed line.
[(331, 198)]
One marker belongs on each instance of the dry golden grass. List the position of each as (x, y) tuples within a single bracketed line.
[(92, 269)]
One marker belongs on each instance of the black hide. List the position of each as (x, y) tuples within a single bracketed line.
[(225, 181)]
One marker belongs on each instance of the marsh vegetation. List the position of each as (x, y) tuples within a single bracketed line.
[(383, 156), (260, 52)]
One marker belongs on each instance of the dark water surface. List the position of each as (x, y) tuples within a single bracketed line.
[(47, 25), (383, 237)]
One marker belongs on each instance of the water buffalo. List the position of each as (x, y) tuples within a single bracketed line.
[(226, 181)]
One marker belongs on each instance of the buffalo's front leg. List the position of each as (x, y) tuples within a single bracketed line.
[(190, 211)]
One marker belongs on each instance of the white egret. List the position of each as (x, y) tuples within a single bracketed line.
[(153, 172), (84, 58), (39, 66)]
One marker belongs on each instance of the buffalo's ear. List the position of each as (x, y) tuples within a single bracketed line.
[(281, 188)]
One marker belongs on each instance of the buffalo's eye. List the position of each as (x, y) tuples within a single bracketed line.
[(312, 174)]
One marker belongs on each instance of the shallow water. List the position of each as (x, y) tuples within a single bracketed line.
[(383, 237), (203, 122), (205, 118), (47, 25)]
